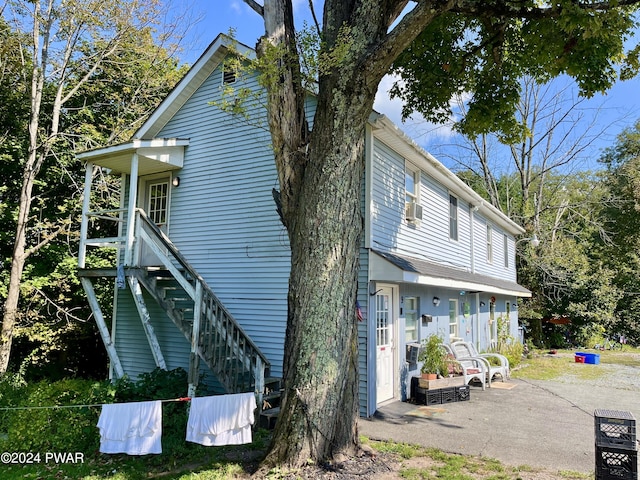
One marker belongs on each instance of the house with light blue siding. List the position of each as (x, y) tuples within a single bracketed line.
[(201, 260)]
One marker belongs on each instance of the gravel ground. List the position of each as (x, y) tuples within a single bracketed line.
[(622, 377)]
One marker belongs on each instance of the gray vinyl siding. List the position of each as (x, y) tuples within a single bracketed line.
[(429, 238), (133, 347), (496, 268), (223, 216)]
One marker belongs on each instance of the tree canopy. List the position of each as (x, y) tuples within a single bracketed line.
[(486, 51), (440, 49)]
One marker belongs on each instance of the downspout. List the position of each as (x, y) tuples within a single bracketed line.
[(477, 325), (472, 210), (371, 337)]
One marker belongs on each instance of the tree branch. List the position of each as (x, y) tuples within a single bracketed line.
[(256, 7)]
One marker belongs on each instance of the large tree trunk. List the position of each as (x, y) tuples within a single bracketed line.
[(320, 174), (320, 406)]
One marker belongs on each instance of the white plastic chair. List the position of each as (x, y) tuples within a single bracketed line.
[(463, 349), (472, 368)]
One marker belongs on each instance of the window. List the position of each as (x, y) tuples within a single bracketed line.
[(453, 318), (413, 209), (492, 325), (489, 244), (158, 202), (506, 327), (506, 251), (411, 182), (453, 217), (411, 319)]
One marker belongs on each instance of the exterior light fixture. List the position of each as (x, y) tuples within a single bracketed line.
[(436, 301), (176, 181), (533, 240)]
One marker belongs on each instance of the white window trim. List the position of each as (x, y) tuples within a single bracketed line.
[(452, 219), (416, 311), (489, 244), (415, 196), (457, 319)]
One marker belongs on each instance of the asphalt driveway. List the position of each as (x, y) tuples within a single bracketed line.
[(546, 424)]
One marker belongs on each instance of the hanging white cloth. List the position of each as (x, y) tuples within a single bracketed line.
[(221, 419), (133, 428)]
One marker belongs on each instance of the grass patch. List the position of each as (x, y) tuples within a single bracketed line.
[(419, 463), (541, 367), (629, 357), (550, 367)]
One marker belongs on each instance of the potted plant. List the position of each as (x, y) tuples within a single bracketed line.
[(433, 358)]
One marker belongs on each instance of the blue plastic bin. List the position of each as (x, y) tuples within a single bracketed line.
[(592, 358)]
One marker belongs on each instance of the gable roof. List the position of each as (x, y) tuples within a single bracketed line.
[(195, 77), (384, 129)]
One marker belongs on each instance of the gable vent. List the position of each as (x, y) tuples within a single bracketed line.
[(228, 75)]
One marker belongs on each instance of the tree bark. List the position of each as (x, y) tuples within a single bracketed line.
[(320, 405), (321, 173), (31, 168)]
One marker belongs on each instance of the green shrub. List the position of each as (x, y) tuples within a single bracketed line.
[(73, 429), (507, 345), (53, 429)]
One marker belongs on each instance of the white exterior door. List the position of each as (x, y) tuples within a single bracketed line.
[(384, 313), (156, 206)]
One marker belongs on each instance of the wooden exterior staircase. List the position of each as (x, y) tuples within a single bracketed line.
[(215, 336)]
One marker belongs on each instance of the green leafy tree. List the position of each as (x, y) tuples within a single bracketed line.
[(441, 49), (622, 250), (89, 72)]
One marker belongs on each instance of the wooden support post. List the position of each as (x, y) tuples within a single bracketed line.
[(136, 291), (102, 327), (84, 224), (131, 212), (194, 360)]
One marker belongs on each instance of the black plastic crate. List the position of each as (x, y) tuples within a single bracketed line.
[(615, 428), (616, 463), (463, 393), (433, 397), (420, 396), (449, 395)]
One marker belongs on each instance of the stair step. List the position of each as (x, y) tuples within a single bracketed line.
[(222, 344), (268, 418), (273, 383)]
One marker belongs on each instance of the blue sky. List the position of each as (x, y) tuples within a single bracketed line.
[(619, 108)]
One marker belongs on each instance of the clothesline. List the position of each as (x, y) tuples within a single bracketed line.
[(180, 399)]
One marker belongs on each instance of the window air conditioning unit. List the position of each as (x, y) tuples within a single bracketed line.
[(413, 351), (413, 211)]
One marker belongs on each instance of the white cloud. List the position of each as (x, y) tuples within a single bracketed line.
[(417, 127)]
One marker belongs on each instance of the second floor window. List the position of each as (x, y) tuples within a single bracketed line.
[(411, 182), (413, 209), (489, 244), (453, 217)]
